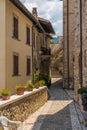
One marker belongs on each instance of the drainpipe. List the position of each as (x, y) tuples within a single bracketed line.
[(68, 42), (81, 69), (32, 57)]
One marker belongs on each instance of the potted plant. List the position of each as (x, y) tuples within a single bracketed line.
[(6, 94), (37, 84), (83, 93), (41, 83), (30, 86), (20, 89), (82, 90)]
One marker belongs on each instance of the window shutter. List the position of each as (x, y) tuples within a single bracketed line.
[(15, 65), (15, 31), (28, 66), (28, 35)]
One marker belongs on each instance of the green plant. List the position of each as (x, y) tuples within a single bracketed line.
[(42, 82), (37, 84), (37, 76), (30, 85), (82, 90), (6, 92), (19, 87), (42, 76)]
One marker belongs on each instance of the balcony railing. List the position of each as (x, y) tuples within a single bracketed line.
[(45, 51)]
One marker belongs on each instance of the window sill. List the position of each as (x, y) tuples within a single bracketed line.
[(16, 38)]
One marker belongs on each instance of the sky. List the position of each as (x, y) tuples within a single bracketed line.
[(48, 9)]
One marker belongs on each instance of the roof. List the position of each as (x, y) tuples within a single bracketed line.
[(47, 26), (43, 25), (23, 9)]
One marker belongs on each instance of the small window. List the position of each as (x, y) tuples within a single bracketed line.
[(28, 35), (15, 64), (28, 66), (15, 27)]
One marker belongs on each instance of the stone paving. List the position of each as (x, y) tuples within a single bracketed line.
[(59, 113)]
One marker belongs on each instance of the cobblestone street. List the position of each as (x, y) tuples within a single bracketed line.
[(59, 113)]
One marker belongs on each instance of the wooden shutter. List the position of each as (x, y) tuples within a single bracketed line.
[(28, 35), (28, 66), (15, 26), (15, 65)]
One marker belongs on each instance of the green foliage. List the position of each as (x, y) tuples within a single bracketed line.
[(45, 51), (42, 76), (37, 76), (19, 87), (37, 84), (82, 90), (5, 92), (42, 82), (30, 85)]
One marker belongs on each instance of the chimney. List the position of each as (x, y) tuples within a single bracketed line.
[(34, 12)]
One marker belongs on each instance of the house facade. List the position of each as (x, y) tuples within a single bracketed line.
[(20, 33), (78, 44), (42, 51)]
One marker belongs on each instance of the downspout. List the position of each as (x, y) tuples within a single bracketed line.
[(68, 42), (32, 57), (81, 69)]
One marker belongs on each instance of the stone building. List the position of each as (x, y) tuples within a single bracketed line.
[(78, 44), (42, 52), (20, 36), (68, 32)]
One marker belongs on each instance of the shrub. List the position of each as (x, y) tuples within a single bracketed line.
[(82, 90), (37, 76), (42, 82), (42, 76)]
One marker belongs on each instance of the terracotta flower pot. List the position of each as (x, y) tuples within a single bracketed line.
[(30, 89), (5, 97), (20, 92)]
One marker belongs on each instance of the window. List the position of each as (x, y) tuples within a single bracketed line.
[(28, 66), (15, 27), (15, 64), (28, 35)]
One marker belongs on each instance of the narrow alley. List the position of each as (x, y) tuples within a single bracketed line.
[(59, 113)]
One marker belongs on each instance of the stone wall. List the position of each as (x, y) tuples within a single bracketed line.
[(68, 33), (23, 107), (77, 60)]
